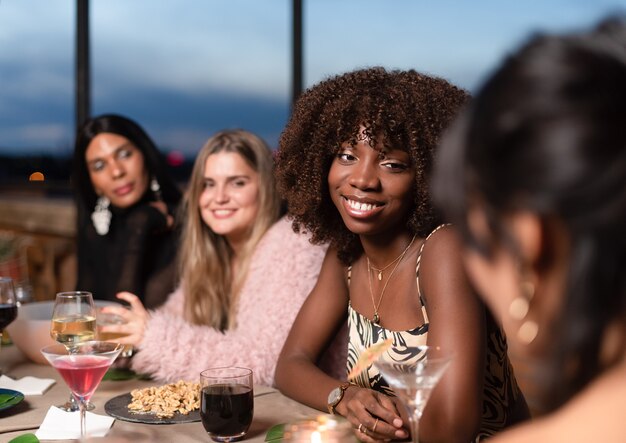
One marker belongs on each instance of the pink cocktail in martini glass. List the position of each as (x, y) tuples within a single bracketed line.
[(82, 368)]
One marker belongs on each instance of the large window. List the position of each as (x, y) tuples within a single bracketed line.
[(36, 76), (187, 68), (454, 39)]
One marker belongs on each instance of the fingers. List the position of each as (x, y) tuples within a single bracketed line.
[(132, 300), (375, 415), (128, 334), (369, 435)]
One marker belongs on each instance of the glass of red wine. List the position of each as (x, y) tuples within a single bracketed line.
[(8, 305), (82, 368), (226, 402)]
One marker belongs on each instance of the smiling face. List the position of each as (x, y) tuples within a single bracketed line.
[(116, 169), (372, 188), (229, 201)]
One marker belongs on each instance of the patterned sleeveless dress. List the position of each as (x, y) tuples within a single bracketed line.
[(500, 393)]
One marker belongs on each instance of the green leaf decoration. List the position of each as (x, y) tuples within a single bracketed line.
[(275, 433), (26, 438), (7, 400)]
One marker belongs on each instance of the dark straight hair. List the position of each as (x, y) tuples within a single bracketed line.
[(125, 127), (547, 133)]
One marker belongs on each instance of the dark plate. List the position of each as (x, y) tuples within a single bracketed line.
[(9, 398), (118, 407)]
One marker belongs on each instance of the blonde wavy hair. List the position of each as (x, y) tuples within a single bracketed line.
[(211, 286)]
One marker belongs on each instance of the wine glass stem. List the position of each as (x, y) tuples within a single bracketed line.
[(415, 427), (83, 424)]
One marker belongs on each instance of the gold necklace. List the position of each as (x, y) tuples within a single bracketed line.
[(376, 318), (399, 257)]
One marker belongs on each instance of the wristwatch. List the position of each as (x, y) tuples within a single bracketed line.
[(335, 397)]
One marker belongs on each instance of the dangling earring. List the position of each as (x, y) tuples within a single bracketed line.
[(101, 216), (518, 310), (156, 188)]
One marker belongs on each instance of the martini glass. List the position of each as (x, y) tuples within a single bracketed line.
[(413, 380), (82, 368)]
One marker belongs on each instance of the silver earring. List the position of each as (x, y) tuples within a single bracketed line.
[(101, 216), (156, 188)]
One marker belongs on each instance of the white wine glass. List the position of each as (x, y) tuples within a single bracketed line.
[(414, 379), (73, 323), (8, 305)]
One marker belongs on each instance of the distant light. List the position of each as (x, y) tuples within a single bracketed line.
[(36, 177), (175, 158)]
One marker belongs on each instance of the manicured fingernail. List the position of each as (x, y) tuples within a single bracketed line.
[(401, 433), (397, 422)]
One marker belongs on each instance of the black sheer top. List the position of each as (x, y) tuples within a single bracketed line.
[(136, 255)]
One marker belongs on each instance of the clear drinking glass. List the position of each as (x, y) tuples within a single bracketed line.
[(23, 292), (414, 380), (226, 402), (8, 306), (82, 367), (106, 319), (73, 322)]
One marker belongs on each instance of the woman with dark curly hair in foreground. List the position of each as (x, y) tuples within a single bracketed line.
[(353, 164)]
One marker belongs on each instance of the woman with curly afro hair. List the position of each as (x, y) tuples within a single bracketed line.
[(353, 165)]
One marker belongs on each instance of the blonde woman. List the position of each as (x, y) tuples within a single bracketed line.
[(244, 272)]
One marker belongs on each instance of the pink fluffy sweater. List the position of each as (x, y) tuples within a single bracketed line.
[(283, 270)]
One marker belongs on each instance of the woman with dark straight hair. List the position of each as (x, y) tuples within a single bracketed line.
[(534, 176), (126, 201)]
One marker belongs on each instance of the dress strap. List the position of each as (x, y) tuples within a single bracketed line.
[(417, 270)]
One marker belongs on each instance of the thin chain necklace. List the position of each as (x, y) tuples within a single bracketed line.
[(380, 271), (397, 261)]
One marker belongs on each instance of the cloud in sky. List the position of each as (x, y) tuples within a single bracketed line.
[(187, 68)]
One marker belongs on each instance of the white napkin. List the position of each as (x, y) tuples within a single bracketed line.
[(61, 425), (27, 385)]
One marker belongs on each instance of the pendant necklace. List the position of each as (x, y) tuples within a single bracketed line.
[(398, 258), (397, 261)]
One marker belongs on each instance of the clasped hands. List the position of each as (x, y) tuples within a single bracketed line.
[(373, 415)]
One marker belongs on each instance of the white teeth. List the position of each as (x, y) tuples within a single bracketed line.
[(360, 206), (222, 212)]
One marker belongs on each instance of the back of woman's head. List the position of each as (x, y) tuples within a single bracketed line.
[(125, 127), (547, 134), (206, 256)]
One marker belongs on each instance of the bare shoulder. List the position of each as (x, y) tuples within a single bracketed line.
[(442, 276), (442, 244), (441, 255), (593, 415)]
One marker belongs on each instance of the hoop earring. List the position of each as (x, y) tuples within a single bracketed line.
[(101, 216), (518, 310), (155, 187)]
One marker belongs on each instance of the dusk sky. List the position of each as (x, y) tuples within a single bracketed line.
[(186, 68)]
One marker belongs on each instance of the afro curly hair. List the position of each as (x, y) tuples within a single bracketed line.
[(404, 109)]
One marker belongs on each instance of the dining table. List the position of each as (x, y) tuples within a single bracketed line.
[(270, 407)]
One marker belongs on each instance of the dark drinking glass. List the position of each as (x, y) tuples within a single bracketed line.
[(8, 313), (226, 402), (8, 305)]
